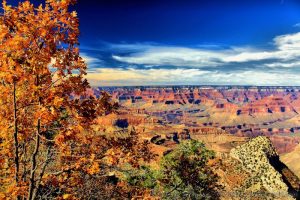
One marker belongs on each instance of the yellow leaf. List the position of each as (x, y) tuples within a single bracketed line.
[(40, 8), (66, 196), (57, 101), (74, 14), (94, 168)]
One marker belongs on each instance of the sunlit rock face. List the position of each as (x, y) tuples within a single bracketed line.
[(292, 160), (260, 159)]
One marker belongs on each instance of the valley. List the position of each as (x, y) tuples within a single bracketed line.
[(222, 116)]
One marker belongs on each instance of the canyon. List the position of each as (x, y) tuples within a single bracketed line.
[(222, 116)]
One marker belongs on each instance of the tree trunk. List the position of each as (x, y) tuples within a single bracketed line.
[(34, 163), (40, 176), (16, 142), (32, 181), (24, 162)]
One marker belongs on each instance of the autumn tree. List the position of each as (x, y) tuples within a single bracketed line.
[(114, 155), (43, 109)]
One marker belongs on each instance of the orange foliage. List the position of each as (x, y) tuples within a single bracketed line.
[(40, 73), (47, 145)]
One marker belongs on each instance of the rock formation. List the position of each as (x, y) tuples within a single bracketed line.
[(260, 159), (292, 160), (222, 116)]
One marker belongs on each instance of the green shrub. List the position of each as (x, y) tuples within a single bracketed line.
[(185, 174)]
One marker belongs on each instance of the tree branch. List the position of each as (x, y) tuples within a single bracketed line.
[(38, 182)]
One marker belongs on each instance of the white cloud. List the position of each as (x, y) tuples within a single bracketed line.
[(288, 42), (283, 65), (175, 56), (286, 48), (91, 61)]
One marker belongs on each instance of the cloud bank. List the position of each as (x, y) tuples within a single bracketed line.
[(286, 48), (137, 77), (156, 64)]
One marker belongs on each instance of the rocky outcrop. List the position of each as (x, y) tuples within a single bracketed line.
[(292, 160), (260, 159)]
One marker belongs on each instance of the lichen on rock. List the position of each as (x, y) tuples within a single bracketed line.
[(258, 157)]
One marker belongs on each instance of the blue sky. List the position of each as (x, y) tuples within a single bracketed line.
[(162, 42)]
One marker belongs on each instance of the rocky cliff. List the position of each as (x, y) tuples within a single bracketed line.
[(260, 159), (292, 160)]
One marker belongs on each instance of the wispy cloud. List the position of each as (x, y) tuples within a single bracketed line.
[(284, 65), (174, 56), (91, 61), (286, 48), (154, 64)]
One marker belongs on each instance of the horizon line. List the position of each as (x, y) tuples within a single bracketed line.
[(196, 85)]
